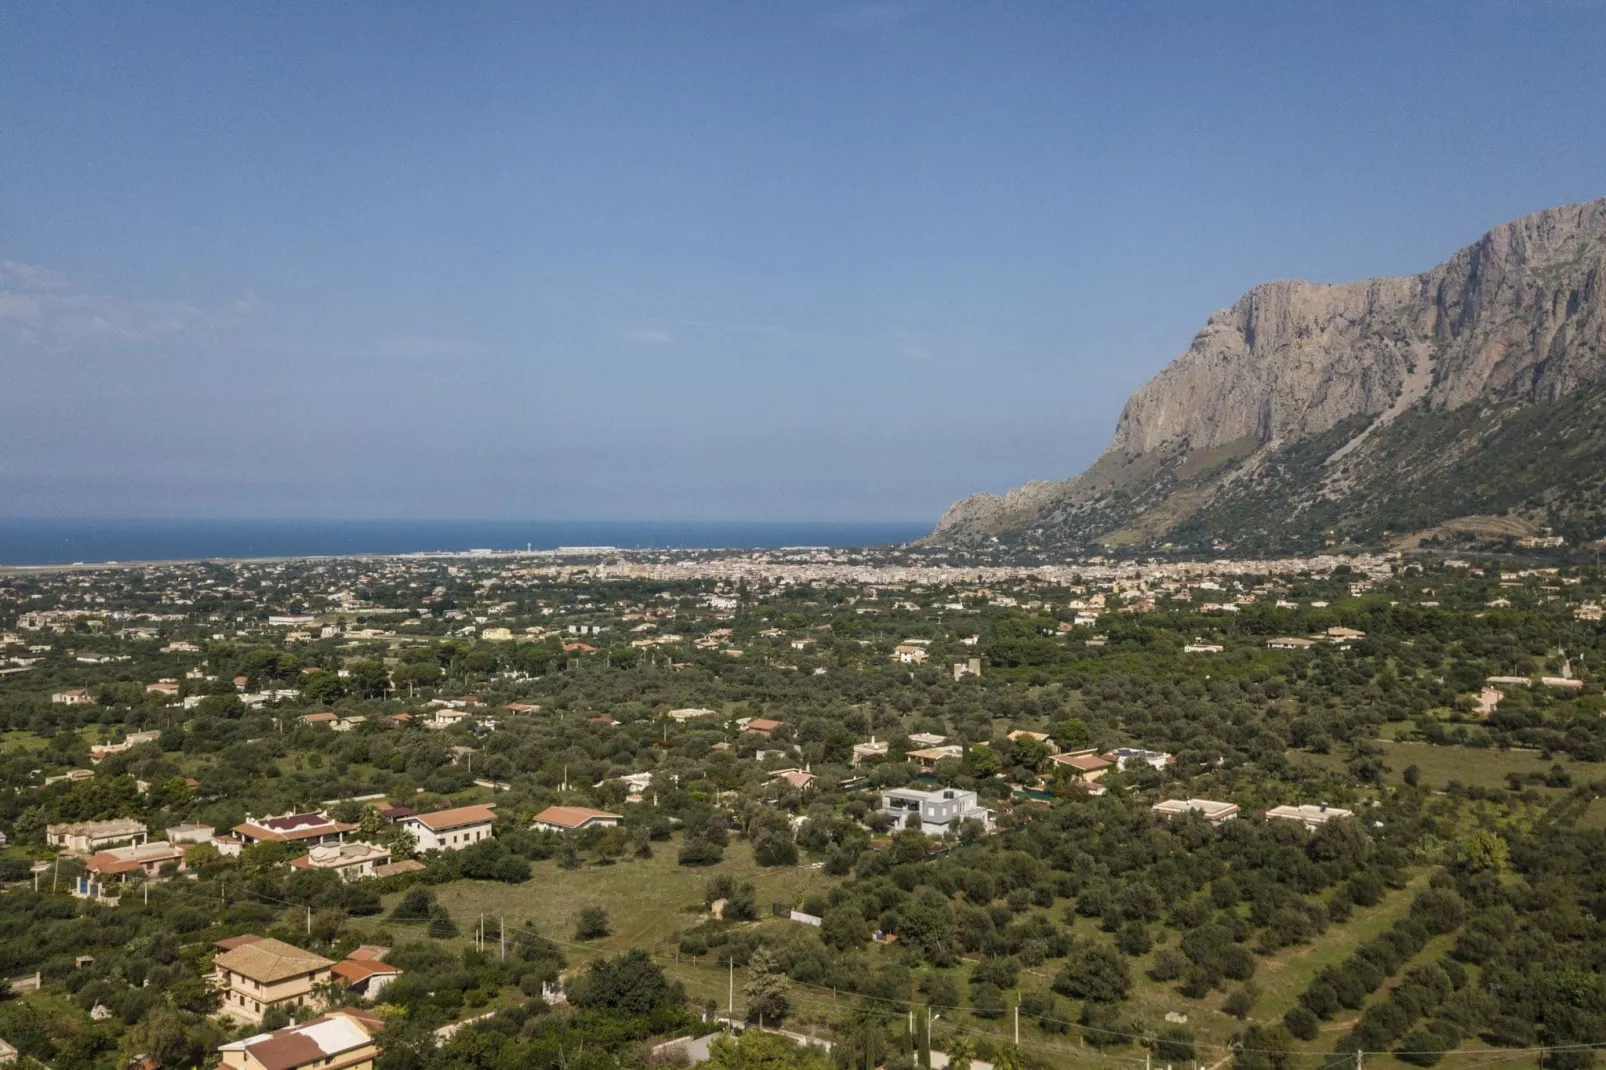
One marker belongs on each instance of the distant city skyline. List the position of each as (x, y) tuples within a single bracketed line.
[(721, 262)]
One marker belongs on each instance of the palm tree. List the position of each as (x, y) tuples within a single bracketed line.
[(961, 1050)]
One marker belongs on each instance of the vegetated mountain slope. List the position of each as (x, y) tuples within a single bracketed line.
[(1313, 413)]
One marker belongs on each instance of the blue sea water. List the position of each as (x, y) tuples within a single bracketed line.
[(63, 542)]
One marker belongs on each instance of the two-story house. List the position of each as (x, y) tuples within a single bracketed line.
[(256, 974), (307, 829), (353, 861), (87, 837), (937, 810), (451, 830)]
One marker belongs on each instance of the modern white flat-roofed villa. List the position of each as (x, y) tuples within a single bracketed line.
[(939, 810), (1312, 815), (1209, 809)]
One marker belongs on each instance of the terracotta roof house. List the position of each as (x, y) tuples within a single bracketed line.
[(312, 827), (353, 861), (1036, 737), (368, 977), (1083, 765), (229, 943), (451, 830), (147, 858), (267, 973), (341, 1040), (801, 779), (928, 757), (573, 818), (761, 726)]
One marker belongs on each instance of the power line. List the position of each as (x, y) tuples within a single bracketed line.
[(1501, 1054)]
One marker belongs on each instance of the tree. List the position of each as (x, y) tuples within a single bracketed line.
[(1174, 1045), (593, 924), (1482, 850), (1302, 1023), (1010, 1057), (405, 1044), (369, 678), (844, 928), (322, 688), (987, 1000), (416, 905), (696, 851), (441, 925), (1094, 972), (961, 1050), (163, 1035), (1241, 1001), (766, 986), (754, 1050), (775, 850), (1266, 1047), (631, 983)]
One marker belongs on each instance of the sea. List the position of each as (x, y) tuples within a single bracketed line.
[(67, 542)]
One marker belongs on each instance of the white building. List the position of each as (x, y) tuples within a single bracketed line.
[(353, 861), (1212, 811), (451, 830), (87, 837), (1310, 814), (937, 809)]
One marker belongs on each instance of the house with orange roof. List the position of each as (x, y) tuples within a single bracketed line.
[(451, 830), (575, 818)]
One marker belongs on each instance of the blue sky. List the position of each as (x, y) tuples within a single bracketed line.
[(701, 261)]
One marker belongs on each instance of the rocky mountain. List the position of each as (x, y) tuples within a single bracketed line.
[(1309, 415)]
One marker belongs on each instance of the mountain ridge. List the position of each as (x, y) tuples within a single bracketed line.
[(1517, 318)]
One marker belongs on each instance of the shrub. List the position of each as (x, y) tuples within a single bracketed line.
[(593, 924), (1302, 1023)]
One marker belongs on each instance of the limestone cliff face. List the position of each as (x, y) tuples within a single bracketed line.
[(1520, 315)]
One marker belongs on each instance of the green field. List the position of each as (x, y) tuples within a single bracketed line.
[(650, 901), (1472, 766)]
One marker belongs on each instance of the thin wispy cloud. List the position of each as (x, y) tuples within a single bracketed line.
[(41, 306), (427, 347), (31, 277), (648, 336)]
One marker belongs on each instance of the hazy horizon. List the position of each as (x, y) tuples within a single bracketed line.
[(728, 263)]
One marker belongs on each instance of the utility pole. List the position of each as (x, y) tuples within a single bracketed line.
[(1017, 1034), (54, 874), (309, 921), (730, 997), (501, 938)]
